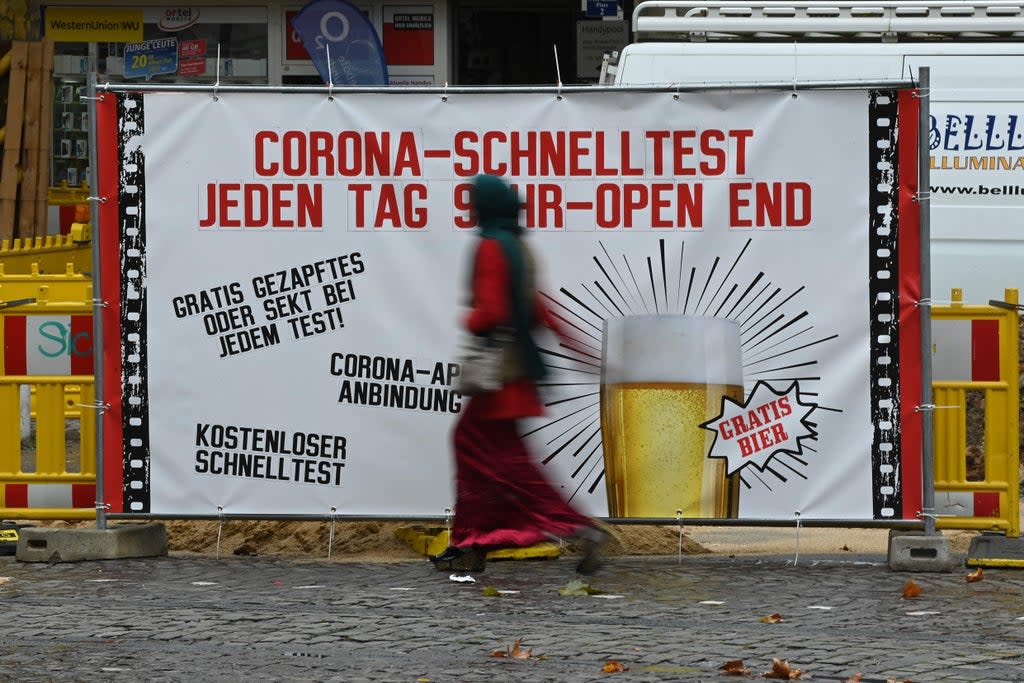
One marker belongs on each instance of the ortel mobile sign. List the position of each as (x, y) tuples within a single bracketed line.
[(92, 25), (283, 337)]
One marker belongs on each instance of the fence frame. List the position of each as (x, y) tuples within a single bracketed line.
[(93, 303), (331, 91)]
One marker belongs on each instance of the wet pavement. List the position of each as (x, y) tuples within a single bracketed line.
[(198, 618)]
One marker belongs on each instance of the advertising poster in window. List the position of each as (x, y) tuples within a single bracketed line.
[(409, 35)]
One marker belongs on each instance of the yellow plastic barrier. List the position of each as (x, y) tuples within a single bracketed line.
[(977, 485), (37, 292), (64, 194), (50, 476), (51, 254)]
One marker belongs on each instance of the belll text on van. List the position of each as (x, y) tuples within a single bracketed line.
[(976, 132)]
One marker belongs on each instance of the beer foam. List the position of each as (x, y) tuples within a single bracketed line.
[(671, 348)]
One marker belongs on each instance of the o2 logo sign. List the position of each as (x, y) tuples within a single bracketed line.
[(58, 339), (334, 27)]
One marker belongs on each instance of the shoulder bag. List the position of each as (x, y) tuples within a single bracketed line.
[(481, 362)]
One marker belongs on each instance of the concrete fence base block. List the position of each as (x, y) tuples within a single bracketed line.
[(992, 550), (913, 551), (76, 545)]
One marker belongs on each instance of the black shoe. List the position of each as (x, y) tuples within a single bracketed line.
[(472, 560), (459, 559), (592, 545), (450, 553)]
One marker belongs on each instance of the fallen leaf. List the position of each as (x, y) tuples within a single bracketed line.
[(423, 680), (5, 579), (855, 678), (518, 652), (911, 590), (578, 587), (976, 575), (613, 666), (735, 668), (772, 618), (780, 669), (490, 592), (515, 652)]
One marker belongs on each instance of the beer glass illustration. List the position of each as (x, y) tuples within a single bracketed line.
[(661, 377)]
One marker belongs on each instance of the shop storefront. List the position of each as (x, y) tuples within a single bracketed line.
[(256, 43), (458, 42), (461, 42)]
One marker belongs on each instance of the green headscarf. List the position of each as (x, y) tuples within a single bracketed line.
[(497, 210)]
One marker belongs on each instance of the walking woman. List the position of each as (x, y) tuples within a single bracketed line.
[(502, 499)]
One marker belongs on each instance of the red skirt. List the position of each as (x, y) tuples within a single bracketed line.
[(502, 499)]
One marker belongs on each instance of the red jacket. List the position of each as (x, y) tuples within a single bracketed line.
[(491, 308)]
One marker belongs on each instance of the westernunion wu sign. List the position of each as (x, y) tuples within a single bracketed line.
[(93, 25)]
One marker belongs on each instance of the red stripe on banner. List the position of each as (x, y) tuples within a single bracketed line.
[(15, 362), (909, 246), (106, 232), (984, 350), (81, 345), (986, 504), (16, 495), (83, 495)]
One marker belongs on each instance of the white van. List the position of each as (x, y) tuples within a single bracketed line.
[(975, 52)]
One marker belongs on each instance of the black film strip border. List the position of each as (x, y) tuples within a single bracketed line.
[(134, 384), (883, 277)]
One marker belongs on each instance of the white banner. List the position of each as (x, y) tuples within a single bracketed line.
[(305, 261)]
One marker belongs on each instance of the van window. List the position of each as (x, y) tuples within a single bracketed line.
[(692, 65)]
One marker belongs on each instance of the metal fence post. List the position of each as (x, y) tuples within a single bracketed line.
[(97, 299), (924, 204)]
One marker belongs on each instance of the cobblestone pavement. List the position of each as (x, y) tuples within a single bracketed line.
[(194, 618)]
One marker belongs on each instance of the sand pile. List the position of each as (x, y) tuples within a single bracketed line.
[(367, 541), (361, 541)]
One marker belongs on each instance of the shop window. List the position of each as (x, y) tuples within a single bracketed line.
[(240, 33), (70, 153), (512, 46), (173, 49)]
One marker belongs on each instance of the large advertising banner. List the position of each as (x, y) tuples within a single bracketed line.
[(288, 275)]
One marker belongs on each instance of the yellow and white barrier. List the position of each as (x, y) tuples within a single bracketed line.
[(976, 393), (46, 325)]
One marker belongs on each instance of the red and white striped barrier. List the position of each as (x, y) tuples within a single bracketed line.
[(967, 503), (48, 345), (38, 496), (965, 350)]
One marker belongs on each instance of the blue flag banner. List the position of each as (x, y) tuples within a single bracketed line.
[(342, 43)]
